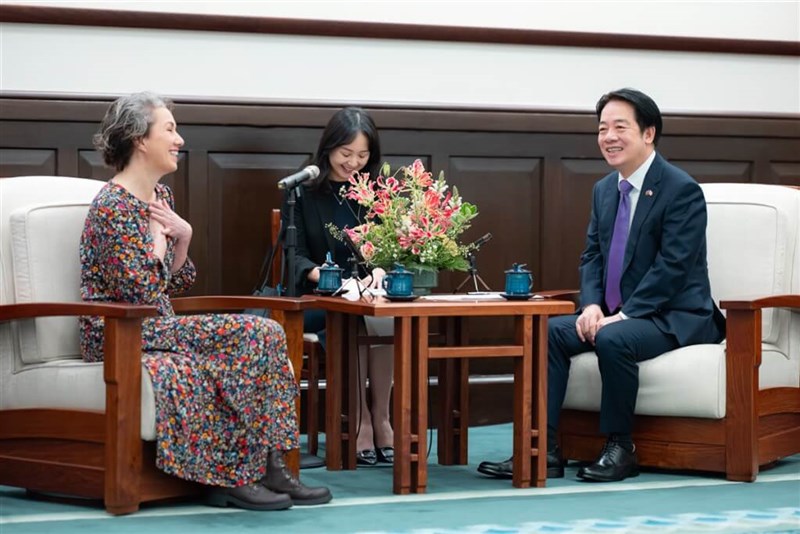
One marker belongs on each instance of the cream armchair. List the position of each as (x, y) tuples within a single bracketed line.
[(67, 426), (730, 407)]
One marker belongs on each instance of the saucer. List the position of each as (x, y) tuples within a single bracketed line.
[(328, 292), (398, 298), (525, 296)]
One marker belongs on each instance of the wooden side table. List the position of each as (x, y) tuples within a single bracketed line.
[(410, 408)]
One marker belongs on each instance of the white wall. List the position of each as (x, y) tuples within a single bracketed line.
[(299, 68)]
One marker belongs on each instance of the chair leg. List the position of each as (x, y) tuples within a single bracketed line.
[(312, 350)]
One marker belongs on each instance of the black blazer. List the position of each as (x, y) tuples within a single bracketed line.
[(313, 210), (664, 271)]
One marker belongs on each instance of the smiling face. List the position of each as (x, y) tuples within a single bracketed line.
[(349, 158), (161, 146), (624, 146)]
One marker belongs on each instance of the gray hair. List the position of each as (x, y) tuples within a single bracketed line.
[(127, 120)]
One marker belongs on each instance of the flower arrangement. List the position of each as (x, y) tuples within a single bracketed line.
[(411, 219)]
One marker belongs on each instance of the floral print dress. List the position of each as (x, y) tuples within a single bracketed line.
[(224, 389)]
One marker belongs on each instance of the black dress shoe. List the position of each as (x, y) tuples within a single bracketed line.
[(385, 455), (555, 464), (615, 463), (505, 469), (367, 457)]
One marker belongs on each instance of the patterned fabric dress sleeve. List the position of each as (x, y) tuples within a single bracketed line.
[(126, 264)]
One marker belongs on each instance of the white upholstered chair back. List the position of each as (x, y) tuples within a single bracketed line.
[(754, 249), (41, 221)]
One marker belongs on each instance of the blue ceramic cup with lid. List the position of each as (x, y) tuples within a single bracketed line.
[(519, 281), (399, 282), (330, 276)]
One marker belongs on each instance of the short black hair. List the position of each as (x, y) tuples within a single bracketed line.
[(342, 129), (645, 108)]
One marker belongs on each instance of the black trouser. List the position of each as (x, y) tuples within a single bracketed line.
[(619, 347)]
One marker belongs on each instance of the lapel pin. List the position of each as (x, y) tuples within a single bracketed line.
[(648, 193)]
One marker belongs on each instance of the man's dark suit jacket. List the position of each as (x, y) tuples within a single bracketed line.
[(664, 272)]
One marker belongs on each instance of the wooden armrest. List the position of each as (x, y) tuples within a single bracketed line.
[(759, 302), (9, 312), (216, 303)]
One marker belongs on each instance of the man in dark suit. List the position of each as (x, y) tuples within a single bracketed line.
[(644, 282)]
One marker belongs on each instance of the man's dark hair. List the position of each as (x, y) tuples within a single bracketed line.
[(646, 110)]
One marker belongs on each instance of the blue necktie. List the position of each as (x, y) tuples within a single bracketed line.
[(616, 252)]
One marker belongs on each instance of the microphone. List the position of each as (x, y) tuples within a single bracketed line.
[(290, 182), (482, 240)]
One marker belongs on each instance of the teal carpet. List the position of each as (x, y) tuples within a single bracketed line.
[(459, 500)]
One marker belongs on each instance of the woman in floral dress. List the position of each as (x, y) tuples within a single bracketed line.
[(224, 388)]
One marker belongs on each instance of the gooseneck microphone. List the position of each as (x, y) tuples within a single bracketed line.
[(482, 240), (290, 182)]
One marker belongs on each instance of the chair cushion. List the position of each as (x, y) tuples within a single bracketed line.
[(36, 249), (70, 384), (688, 382)]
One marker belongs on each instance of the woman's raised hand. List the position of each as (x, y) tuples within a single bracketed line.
[(172, 224)]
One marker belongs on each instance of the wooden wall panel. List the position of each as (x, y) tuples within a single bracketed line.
[(27, 162), (718, 171), (91, 165), (786, 173), (242, 191), (497, 186), (566, 219)]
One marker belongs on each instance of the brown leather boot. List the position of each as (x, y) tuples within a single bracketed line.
[(250, 497), (280, 480)]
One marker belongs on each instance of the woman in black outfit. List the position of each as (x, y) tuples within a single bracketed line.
[(349, 144)]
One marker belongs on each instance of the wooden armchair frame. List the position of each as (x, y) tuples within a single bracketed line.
[(101, 455), (759, 427)]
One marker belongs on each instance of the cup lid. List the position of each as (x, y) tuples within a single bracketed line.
[(329, 265), (399, 269), (517, 268)]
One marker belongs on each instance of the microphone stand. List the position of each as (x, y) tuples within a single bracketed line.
[(473, 275), (355, 260), (307, 460), (291, 244)]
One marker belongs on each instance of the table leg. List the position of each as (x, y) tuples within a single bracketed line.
[(523, 379), (539, 393), (419, 421), (350, 388), (402, 405), (453, 399), (334, 326)]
